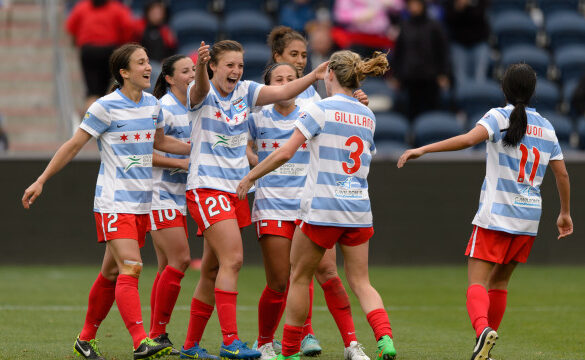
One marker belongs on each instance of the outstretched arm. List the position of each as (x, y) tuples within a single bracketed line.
[(564, 221), (201, 88), (62, 157), (473, 137), (169, 144)]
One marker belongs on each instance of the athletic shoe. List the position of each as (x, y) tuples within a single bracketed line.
[(276, 345), (296, 356), (238, 350), (150, 349), (386, 350), (355, 351), (267, 352), (484, 344), (87, 349), (197, 352), (310, 346), (163, 339)]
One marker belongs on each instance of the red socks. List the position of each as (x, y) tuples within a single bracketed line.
[(269, 314), (497, 307), (338, 304), (101, 298), (169, 286), (291, 339), (380, 323), (478, 303), (226, 312), (128, 302), (200, 314), (153, 299), (307, 327)]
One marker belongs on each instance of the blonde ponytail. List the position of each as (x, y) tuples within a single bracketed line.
[(351, 70)]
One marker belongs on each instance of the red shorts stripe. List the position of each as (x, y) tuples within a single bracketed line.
[(112, 226), (275, 227), (208, 206), (498, 246), (327, 236), (168, 218)]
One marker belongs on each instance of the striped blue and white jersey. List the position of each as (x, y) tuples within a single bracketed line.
[(169, 184), (510, 195), (219, 137), (341, 144), (125, 136), (278, 193)]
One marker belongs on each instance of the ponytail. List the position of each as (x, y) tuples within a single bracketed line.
[(518, 85), (351, 70), (517, 128), (167, 68)]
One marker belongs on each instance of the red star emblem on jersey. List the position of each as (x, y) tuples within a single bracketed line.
[(148, 135), (137, 136), (218, 114), (245, 116), (304, 146), (240, 106), (124, 137), (275, 145), (236, 119), (227, 119), (263, 145)]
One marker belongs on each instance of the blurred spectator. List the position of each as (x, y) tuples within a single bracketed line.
[(469, 31), (98, 26), (321, 47), (421, 60), (153, 32), (578, 98), (364, 25), (296, 14), (3, 137)]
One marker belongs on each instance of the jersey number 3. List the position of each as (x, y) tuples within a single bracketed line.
[(354, 155), (524, 159)]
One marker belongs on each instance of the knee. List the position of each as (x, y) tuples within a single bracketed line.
[(326, 273), (278, 284), (183, 262), (131, 268), (209, 272), (233, 264), (498, 284), (110, 274)]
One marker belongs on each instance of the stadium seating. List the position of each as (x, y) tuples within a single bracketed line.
[(563, 127), (434, 126), (391, 126), (231, 6), (569, 87), (178, 6), (256, 57), (565, 28), (474, 98), (534, 56), (513, 28), (156, 69), (379, 94), (194, 27), (550, 6), (500, 6), (581, 132), (546, 96), (247, 26), (570, 61)]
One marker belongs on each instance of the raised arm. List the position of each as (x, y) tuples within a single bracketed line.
[(199, 91), (272, 162), (62, 157), (473, 137), (170, 163), (275, 93), (169, 144), (564, 221)]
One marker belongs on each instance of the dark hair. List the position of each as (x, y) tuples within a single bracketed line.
[(280, 37), (168, 68), (98, 3), (120, 59), (268, 71), (152, 3), (350, 69), (518, 85), (219, 48)]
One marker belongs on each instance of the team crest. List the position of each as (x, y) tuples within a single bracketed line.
[(154, 119), (239, 105)]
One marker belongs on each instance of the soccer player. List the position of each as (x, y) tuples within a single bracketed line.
[(520, 145), (127, 123), (219, 113), (335, 206)]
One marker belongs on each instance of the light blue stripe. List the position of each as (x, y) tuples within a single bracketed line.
[(483, 185), (175, 109), (222, 173), (281, 181), (223, 151), (323, 203), (277, 204), (179, 132), (514, 164), (142, 148), (516, 211), (142, 197), (310, 124), (179, 199), (132, 125), (331, 179), (513, 187), (329, 153), (136, 172), (223, 128), (300, 157), (98, 191), (273, 133), (497, 228), (351, 225), (101, 172), (176, 178), (341, 129), (93, 122)]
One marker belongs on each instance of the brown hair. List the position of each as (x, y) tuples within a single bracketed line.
[(168, 68), (270, 68), (280, 37), (120, 59), (219, 48), (351, 70)]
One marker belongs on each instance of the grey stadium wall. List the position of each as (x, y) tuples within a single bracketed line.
[(422, 215)]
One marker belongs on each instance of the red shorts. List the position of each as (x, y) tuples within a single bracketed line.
[(168, 218), (327, 236), (498, 246), (208, 206), (122, 226), (275, 227)]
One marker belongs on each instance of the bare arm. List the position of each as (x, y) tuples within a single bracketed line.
[(171, 163), (564, 221), (272, 162), (201, 88), (62, 157), (275, 93), (251, 153), (169, 144), (473, 137)]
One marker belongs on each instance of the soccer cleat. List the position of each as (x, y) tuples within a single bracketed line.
[(267, 352), (484, 344), (150, 349), (296, 356), (197, 352), (238, 350), (355, 351), (310, 346), (163, 339), (386, 350), (276, 345), (87, 349)]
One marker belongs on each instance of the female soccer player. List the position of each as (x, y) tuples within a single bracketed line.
[(335, 204), (127, 123), (219, 112), (520, 144), (168, 221)]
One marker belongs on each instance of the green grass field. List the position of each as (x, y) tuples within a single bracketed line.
[(42, 310)]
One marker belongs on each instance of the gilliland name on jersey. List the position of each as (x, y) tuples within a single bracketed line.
[(137, 160), (354, 119)]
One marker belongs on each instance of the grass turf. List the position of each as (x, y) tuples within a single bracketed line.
[(42, 310)]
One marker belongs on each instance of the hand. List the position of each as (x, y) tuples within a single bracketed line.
[(408, 155), (361, 96), (565, 225), (185, 164), (31, 194), (203, 54), (243, 187), (321, 70)]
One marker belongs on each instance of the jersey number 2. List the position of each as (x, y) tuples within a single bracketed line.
[(354, 155), (524, 159)]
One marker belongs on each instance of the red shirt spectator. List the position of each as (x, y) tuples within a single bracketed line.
[(108, 24)]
